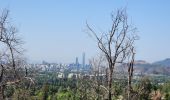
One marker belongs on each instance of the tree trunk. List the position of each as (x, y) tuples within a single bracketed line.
[(110, 84), (129, 86), (2, 97), (130, 74), (2, 86)]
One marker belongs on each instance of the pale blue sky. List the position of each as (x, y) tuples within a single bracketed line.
[(53, 30)]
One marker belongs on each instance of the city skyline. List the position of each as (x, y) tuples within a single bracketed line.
[(55, 31)]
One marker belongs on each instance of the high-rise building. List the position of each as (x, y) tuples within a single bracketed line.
[(83, 62), (77, 61)]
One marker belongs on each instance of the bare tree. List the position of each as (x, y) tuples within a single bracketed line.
[(116, 43), (130, 72), (9, 52), (98, 76)]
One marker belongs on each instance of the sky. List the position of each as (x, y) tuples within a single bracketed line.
[(55, 30)]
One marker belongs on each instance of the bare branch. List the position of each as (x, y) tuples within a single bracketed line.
[(117, 43)]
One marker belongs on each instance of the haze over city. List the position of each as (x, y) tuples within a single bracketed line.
[(84, 50), (55, 30)]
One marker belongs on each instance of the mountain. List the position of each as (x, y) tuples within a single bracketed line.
[(165, 62), (141, 62), (143, 67), (159, 67)]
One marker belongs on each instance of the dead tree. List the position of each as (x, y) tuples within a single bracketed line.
[(116, 43), (11, 45), (98, 68), (130, 72)]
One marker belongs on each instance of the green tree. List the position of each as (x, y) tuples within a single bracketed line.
[(45, 91), (144, 88)]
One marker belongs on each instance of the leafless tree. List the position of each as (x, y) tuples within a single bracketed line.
[(9, 53), (130, 72), (98, 68), (116, 43)]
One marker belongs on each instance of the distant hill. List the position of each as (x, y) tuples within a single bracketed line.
[(159, 67), (165, 62), (141, 62), (144, 67)]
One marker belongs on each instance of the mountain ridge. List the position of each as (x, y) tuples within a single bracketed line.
[(158, 67)]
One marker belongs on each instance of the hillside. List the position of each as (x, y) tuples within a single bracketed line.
[(159, 67), (165, 62)]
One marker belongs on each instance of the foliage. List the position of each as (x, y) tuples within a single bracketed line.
[(83, 89), (21, 94), (144, 88), (9, 90)]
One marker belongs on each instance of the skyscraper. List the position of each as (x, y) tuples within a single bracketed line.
[(83, 62), (77, 61)]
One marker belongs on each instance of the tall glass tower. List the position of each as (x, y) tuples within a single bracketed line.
[(77, 61), (83, 62)]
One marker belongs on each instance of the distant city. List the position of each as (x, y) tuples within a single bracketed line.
[(80, 67), (77, 66)]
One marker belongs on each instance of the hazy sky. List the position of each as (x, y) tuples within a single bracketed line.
[(54, 30)]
